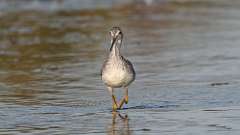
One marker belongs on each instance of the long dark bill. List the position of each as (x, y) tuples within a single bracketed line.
[(114, 40)]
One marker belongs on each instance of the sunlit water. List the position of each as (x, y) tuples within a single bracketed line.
[(186, 56)]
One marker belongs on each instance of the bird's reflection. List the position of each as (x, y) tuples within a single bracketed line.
[(119, 125)]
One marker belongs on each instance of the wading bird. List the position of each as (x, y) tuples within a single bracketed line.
[(117, 72)]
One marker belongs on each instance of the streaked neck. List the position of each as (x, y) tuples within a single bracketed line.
[(115, 50)]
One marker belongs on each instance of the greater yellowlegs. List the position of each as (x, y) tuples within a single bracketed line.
[(117, 71)]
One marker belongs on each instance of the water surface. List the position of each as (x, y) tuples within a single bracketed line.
[(186, 56)]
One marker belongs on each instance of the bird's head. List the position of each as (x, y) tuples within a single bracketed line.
[(116, 36)]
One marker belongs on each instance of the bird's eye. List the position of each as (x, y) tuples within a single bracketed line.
[(120, 33)]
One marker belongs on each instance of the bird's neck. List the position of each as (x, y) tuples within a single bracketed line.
[(115, 48), (115, 51)]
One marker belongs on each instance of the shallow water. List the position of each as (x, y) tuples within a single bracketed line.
[(186, 55)]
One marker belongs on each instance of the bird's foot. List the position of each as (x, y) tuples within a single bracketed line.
[(114, 107), (126, 100)]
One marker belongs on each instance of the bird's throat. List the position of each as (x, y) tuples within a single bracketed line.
[(115, 51), (115, 47)]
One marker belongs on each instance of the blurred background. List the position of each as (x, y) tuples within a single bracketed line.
[(185, 52)]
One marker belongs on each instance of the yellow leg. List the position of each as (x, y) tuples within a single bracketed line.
[(114, 101), (124, 100), (121, 103), (115, 105), (126, 95)]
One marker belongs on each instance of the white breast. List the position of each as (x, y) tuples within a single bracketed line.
[(115, 75)]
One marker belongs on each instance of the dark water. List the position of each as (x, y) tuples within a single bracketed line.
[(186, 55)]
